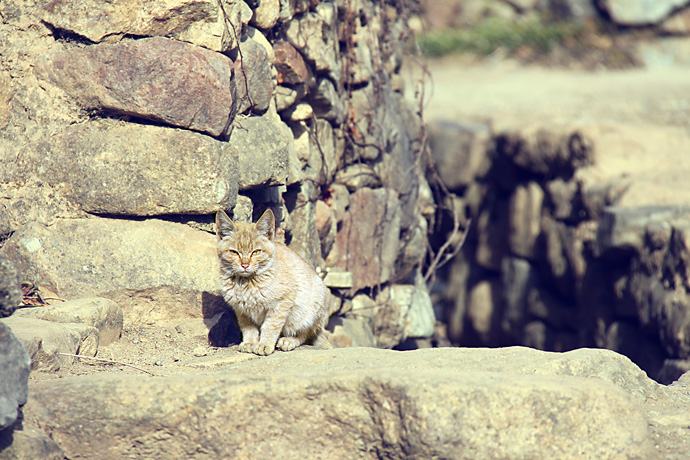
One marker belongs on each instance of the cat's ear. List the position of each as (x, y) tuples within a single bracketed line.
[(224, 225), (266, 225)]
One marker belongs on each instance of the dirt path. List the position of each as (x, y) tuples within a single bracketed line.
[(639, 119)]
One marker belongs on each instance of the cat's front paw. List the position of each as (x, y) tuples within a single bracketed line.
[(247, 347), (288, 343), (263, 349)]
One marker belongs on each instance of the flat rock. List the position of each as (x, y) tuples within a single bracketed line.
[(253, 77), (111, 167), (155, 78), (201, 22), (84, 257), (103, 314), (46, 340), (14, 385), (357, 403)]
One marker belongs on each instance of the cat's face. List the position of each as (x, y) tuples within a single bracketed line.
[(245, 249)]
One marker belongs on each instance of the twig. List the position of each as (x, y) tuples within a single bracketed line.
[(109, 361)]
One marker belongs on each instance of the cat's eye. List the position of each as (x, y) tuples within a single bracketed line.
[(256, 251), (233, 252)]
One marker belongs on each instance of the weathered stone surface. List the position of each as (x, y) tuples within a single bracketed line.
[(367, 243), (290, 65), (553, 151), (46, 340), (103, 314), (640, 12), (154, 78), (10, 292), (85, 257), (460, 152), (315, 35), (624, 229), (108, 166), (201, 22), (678, 23), (326, 101), (15, 364), (285, 97), (299, 112), (350, 332), (525, 210), (24, 442), (266, 14), (262, 148), (352, 401), (358, 176), (326, 226), (253, 71)]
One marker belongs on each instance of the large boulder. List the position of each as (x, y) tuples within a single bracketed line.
[(15, 364), (85, 257), (640, 12), (361, 403), (153, 78), (10, 292)]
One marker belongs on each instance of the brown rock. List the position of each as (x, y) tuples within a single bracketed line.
[(253, 77), (367, 244), (154, 78), (290, 64)]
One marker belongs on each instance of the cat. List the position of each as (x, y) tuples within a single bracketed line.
[(279, 300)]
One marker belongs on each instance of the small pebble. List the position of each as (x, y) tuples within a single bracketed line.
[(159, 362), (135, 341), (178, 328), (200, 351)]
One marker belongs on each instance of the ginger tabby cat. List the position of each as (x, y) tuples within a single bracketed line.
[(278, 298)]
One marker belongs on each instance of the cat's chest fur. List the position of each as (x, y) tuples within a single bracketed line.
[(252, 296)]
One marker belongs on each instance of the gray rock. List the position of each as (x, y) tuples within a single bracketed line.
[(350, 332), (85, 257), (14, 385), (623, 229), (343, 402), (640, 12), (46, 340), (253, 71), (10, 291), (266, 14), (460, 151), (261, 148), (524, 222), (552, 151), (153, 78), (285, 97), (326, 101), (357, 176), (367, 243), (315, 35), (112, 167), (26, 442), (201, 22), (103, 314)]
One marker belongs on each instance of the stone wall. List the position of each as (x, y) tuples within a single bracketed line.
[(124, 126), (550, 261)]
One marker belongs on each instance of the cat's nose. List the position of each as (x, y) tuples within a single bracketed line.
[(245, 266)]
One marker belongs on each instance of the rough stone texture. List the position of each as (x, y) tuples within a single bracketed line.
[(261, 148), (266, 14), (75, 257), (213, 25), (103, 314), (112, 167), (23, 443), (459, 152), (15, 364), (253, 71), (316, 37), (640, 12), (46, 340), (153, 78), (326, 101), (10, 291), (290, 64), (678, 23), (467, 404), (368, 240), (552, 151)]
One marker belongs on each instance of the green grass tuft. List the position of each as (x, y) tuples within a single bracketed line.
[(492, 34)]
